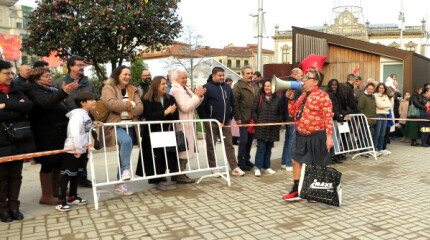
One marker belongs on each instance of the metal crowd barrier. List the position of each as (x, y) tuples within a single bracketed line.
[(353, 136), (109, 168)]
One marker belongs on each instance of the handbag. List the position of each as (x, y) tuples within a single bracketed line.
[(251, 129), (101, 112), (321, 184), (18, 131), (181, 142), (413, 112)]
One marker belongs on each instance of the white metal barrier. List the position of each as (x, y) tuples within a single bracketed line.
[(353, 135), (107, 171)]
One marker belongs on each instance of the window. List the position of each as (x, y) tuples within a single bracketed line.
[(246, 63), (238, 63), (285, 52), (228, 63), (19, 25)]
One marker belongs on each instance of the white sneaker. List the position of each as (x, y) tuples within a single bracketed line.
[(257, 172), (283, 166), (269, 171), (237, 172), (122, 189), (383, 153), (289, 169), (388, 152), (126, 174), (377, 154)]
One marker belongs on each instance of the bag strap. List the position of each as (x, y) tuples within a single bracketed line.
[(259, 103), (302, 106)]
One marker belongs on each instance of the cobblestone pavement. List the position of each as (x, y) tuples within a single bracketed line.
[(388, 198)]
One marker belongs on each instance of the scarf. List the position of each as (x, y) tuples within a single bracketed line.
[(49, 86), (4, 88)]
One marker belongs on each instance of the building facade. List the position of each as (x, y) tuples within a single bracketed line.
[(349, 23), (13, 18), (233, 57)]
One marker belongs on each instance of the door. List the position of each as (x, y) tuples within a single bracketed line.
[(394, 69)]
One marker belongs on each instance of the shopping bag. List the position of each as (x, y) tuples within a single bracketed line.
[(321, 184)]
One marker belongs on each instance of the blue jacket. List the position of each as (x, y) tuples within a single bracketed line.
[(218, 102)]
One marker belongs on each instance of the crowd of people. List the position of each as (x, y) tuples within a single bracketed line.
[(58, 115)]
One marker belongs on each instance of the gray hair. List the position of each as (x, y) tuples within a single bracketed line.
[(245, 67), (174, 73)]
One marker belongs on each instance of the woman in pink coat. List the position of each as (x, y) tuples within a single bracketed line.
[(187, 102)]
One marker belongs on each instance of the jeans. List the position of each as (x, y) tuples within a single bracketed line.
[(290, 134), (125, 142), (380, 128), (263, 154), (245, 144)]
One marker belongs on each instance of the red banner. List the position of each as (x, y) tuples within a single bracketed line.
[(10, 47)]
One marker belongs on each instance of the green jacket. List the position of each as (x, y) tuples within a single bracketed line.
[(85, 85), (243, 101), (367, 106)]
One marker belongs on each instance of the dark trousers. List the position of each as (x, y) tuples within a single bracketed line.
[(212, 132), (69, 172), (10, 185), (245, 144)]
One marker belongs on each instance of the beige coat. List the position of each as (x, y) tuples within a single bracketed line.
[(403, 110), (112, 98), (187, 102), (383, 103)]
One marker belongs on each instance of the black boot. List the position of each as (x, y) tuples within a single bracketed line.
[(5, 217), (414, 142), (16, 214)]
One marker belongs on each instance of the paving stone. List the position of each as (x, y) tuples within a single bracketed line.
[(252, 208)]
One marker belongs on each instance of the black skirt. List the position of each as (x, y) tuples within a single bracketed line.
[(311, 149)]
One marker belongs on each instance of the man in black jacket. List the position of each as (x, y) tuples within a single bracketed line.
[(218, 104), (23, 73)]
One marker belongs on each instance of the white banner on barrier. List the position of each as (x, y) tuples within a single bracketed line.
[(343, 127), (163, 139)]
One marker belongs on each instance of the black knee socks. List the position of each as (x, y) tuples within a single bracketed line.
[(296, 186)]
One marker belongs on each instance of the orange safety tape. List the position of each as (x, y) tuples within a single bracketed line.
[(287, 123), (403, 119), (32, 155), (260, 124)]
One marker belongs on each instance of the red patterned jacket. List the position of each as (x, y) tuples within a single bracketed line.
[(317, 113)]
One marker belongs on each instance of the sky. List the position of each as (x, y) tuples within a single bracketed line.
[(222, 22)]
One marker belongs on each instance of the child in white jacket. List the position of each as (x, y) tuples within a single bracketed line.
[(77, 142)]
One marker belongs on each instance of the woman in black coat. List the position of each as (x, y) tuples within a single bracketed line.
[(49, 124), (159, 106), (14, 107), (266, 109)]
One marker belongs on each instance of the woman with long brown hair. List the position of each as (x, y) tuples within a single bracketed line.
[(159, 106), (123, 101)]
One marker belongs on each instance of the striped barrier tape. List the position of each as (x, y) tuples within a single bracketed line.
[(32, 155)]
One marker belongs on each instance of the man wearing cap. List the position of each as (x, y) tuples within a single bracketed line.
[(313, 118)]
